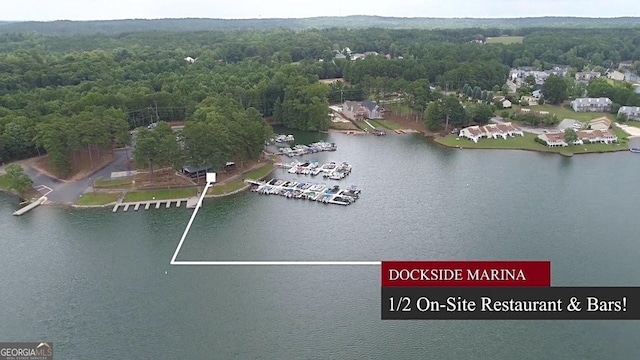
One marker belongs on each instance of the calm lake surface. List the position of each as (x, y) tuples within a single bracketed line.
[(94, 282)]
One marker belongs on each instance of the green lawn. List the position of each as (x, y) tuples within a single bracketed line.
[(146, 195), (226, 188), (260, 172), (363, 125), (505, 40), (630, 123), (527, 142), (385, 124), (97, 199), (102, 183), (564, 113)]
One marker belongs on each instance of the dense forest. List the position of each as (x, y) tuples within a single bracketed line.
[(353, 22), (59, 94)]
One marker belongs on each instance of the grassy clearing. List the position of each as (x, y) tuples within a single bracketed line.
[(388, 124), (564, 113), (97, 199), (527, 142), (633, 123), (260, 172), (110, 183), (363, 125), (147, 195), (505, 40), (226, 188)]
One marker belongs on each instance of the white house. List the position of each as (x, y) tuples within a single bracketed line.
[(506, 104), (632, 112), (597, 136), (493, 131), (600, 124), (189, 59), (553, 139)]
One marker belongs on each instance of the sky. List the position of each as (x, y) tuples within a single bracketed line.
[(48, 10)]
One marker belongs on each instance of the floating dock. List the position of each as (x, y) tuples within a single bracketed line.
[(332, 170), (191, 203), (316, 147), (30, 207), (306, 191)]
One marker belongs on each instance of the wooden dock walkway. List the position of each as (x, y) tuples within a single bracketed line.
[(191, 203)]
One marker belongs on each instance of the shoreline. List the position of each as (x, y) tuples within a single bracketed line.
[(212, 196), (566, 154)]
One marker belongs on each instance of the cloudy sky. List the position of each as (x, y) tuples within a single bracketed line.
[(45, 10)]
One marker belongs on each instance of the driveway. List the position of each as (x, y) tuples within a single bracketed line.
[(529, 129), (67, 192)]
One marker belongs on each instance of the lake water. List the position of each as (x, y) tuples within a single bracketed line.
[(94, 282)]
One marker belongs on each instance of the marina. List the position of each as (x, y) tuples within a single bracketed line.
[(313, 148), (323, 193), (331, 170), (281, 138)]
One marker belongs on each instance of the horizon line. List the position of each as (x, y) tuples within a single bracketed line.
[(336, 16)]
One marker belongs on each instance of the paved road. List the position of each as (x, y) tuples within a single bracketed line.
[(529, 129), (68, 192)]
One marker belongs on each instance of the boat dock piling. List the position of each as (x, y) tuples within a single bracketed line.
[(191, 203)]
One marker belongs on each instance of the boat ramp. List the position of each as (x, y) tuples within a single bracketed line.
[(31, 206), (316, 147), (157, 204), (307, 191)]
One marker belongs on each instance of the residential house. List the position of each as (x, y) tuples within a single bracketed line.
[(355, 57), (596, 136), (631, 77), (560, 70), (340, 56), (632, 112), (189, 59), (362, 110), (529, 100), (553, 139), (536, 94), (506, 104), (519, 75), (600, 124), (625, 64), (493, 131), (587, 75), (591, 104), (616, 75)]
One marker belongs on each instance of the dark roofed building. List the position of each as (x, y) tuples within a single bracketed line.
[(196, 171)]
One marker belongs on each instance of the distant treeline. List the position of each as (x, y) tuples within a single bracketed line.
[(60, 94), (351, 22)]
